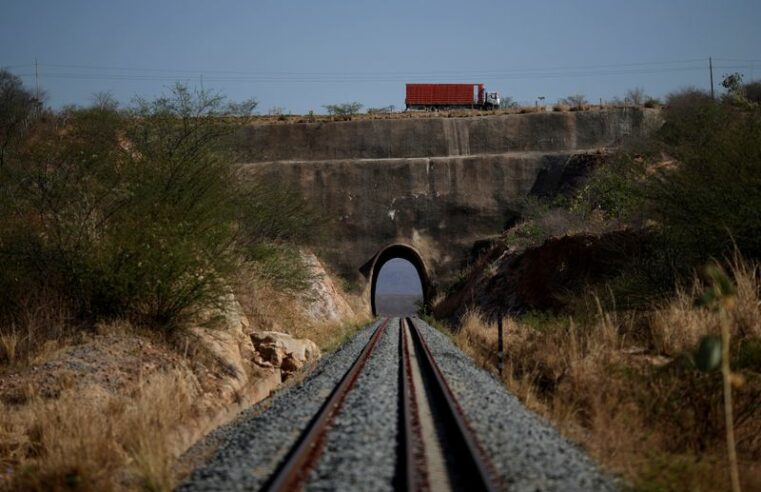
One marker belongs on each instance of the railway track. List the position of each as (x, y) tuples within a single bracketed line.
[(397, 408), (293, 471), (441, 451), (438, 450)]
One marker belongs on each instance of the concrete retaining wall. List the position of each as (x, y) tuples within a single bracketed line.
[(433, 137)]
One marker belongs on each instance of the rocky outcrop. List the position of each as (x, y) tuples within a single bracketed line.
[(506, 280), (282, 351), (243, 351), (323, 302)]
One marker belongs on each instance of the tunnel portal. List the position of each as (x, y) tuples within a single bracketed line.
[(373, 267)]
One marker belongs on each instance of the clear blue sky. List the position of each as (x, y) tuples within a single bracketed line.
[(302, 54), (398, 276)]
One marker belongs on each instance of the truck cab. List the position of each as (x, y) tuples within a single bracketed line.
[(491, 101)]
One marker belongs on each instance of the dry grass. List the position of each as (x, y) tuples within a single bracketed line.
[(654, 420), (678, 327), (330, 335), (37, 330), (114, 406), (95, 440), (399, 115), (268, 308)]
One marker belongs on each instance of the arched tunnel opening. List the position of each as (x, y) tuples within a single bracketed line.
[(398, 291), (400, 282)]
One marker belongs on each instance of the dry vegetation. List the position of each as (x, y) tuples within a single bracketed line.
[(114, 407), (123, 233), (107, 410), (399, 115), (625, 387), (621, 353), (95, 441), (286, 311)]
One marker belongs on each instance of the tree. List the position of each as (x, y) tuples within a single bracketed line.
[(636, 96), (343, 109), (733, 83), (577, 101), (126, 213), (508, 102), (18, 109), (105, 101)]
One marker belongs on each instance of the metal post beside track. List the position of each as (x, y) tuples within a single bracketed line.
[(500, 347)]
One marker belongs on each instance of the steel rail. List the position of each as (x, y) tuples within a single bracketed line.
[(416, 475), (472, 464), (293, 470)]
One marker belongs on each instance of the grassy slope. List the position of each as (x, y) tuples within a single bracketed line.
[(622, 386)]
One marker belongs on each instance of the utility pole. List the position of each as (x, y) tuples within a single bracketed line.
[(710, 70), (36, 81)]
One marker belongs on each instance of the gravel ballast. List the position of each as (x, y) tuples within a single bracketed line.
[(360, 451), (526, 451), (253, 445)]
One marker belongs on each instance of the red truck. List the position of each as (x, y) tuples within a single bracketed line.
[(449, 96)]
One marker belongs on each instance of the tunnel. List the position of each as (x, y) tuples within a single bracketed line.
[(373, 267)]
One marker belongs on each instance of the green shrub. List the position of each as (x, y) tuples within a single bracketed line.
[(709, 203), (131, 214), (19, 109), (613, 188), (343, 109), (753, 91), (142, 213)]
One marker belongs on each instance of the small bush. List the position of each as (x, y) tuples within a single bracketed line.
[(682, 113), (753, 91), (613, 189), (383, 110), (343, 109), (636, 96), (507, 102), (576, 101), (528, 109), (652, 102)]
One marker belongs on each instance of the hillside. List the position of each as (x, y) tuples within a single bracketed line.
[(617, 298)]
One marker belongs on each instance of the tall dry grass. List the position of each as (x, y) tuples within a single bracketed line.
[(38, 328), (624, 387), (678, 327), (94, 440)]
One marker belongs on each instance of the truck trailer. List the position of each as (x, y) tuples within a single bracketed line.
[(432, 97)]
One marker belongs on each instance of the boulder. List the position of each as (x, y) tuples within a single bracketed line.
[(280, 350)]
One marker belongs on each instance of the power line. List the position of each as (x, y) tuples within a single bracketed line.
[(739, 60), (168, 77), (23, 65), (196, 71)]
